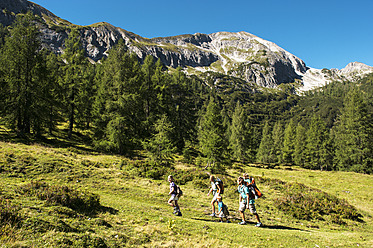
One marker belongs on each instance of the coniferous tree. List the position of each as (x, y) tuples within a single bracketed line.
[(266, 145), (278, 141), (353, 135), (22, 64), (289, 143), (118, 108), (159, 147), (211, 134), (73, 78), (239, 135), (299, 145), (316, 149)]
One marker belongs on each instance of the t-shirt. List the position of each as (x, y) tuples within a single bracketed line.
[(214, 186), (173, 188), (244, 190)]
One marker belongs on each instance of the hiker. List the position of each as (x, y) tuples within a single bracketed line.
[(174, 196), (247, 201), (215, 190), (222, 209)]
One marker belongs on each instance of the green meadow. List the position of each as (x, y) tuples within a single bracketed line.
[(71, 196)]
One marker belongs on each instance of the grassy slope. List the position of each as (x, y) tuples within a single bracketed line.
[(135, 212)]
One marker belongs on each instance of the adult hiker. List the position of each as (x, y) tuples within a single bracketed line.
[(215, 190), (174, 196), (247, 201)]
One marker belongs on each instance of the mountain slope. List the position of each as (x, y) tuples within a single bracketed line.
[(241, 55)]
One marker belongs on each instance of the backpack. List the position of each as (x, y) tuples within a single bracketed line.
[(179, 192), (253, 188), (221, 185), (225, 210)]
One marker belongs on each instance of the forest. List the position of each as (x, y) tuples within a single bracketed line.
[(124, 106)]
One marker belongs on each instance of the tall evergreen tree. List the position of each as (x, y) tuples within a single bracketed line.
[(118, 108), (289, 143), (239, 135), (266, 145), (278, 142), (160, 148), (299, 145), (211, 134), (353, 135), (22, 64), (73, 78), (316, 150)]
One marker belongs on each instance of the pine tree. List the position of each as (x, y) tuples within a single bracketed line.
[(211, 134), (353, 135), (289, 143)]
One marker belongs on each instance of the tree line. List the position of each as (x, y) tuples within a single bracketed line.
[(128, 106)]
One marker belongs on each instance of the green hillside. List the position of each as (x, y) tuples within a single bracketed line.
[(75, 197)]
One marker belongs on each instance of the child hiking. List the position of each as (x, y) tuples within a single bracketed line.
[(174, 196), (247, 201), (222, 210), (215, 190)]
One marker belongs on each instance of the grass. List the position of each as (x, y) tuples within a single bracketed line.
[(131, 210)]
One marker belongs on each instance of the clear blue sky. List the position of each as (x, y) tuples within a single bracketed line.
[(323, 33)]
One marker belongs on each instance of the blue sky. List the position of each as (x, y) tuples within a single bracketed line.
[(323, 33)]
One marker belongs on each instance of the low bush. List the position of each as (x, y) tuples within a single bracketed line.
[(63, 195), (307, 203)]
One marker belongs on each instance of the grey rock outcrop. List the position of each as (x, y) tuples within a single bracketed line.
[(240, 55)]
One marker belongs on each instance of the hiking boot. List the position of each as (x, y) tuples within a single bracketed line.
[(213, 215), (259, 224), (242, 223), (175, 210)]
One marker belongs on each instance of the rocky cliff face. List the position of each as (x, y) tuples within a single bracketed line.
[(241, 55)]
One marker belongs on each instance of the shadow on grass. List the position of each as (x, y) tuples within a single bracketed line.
[(249, 223)]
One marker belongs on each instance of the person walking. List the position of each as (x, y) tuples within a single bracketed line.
[(246, 201), (222, 213), (215, 190), (173, 201)]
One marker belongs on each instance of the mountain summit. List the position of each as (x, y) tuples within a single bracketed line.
[(241, 55)]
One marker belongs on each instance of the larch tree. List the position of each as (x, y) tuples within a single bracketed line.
[(354, 135), (73, 77), (22, 63), (211, 134)]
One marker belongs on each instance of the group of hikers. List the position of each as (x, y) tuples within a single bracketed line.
[(247, 190)]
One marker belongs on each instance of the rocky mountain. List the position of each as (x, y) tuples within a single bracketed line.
[(240, 55)]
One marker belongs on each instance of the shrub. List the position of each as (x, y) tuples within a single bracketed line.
[(307, 203), (63, 195)]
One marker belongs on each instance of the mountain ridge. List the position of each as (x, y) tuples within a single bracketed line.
[(241, 55)]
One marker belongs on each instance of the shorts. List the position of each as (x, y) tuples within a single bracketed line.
[(243, 207), (214, 199), (252, 208), (173, 198), (221, 215)]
